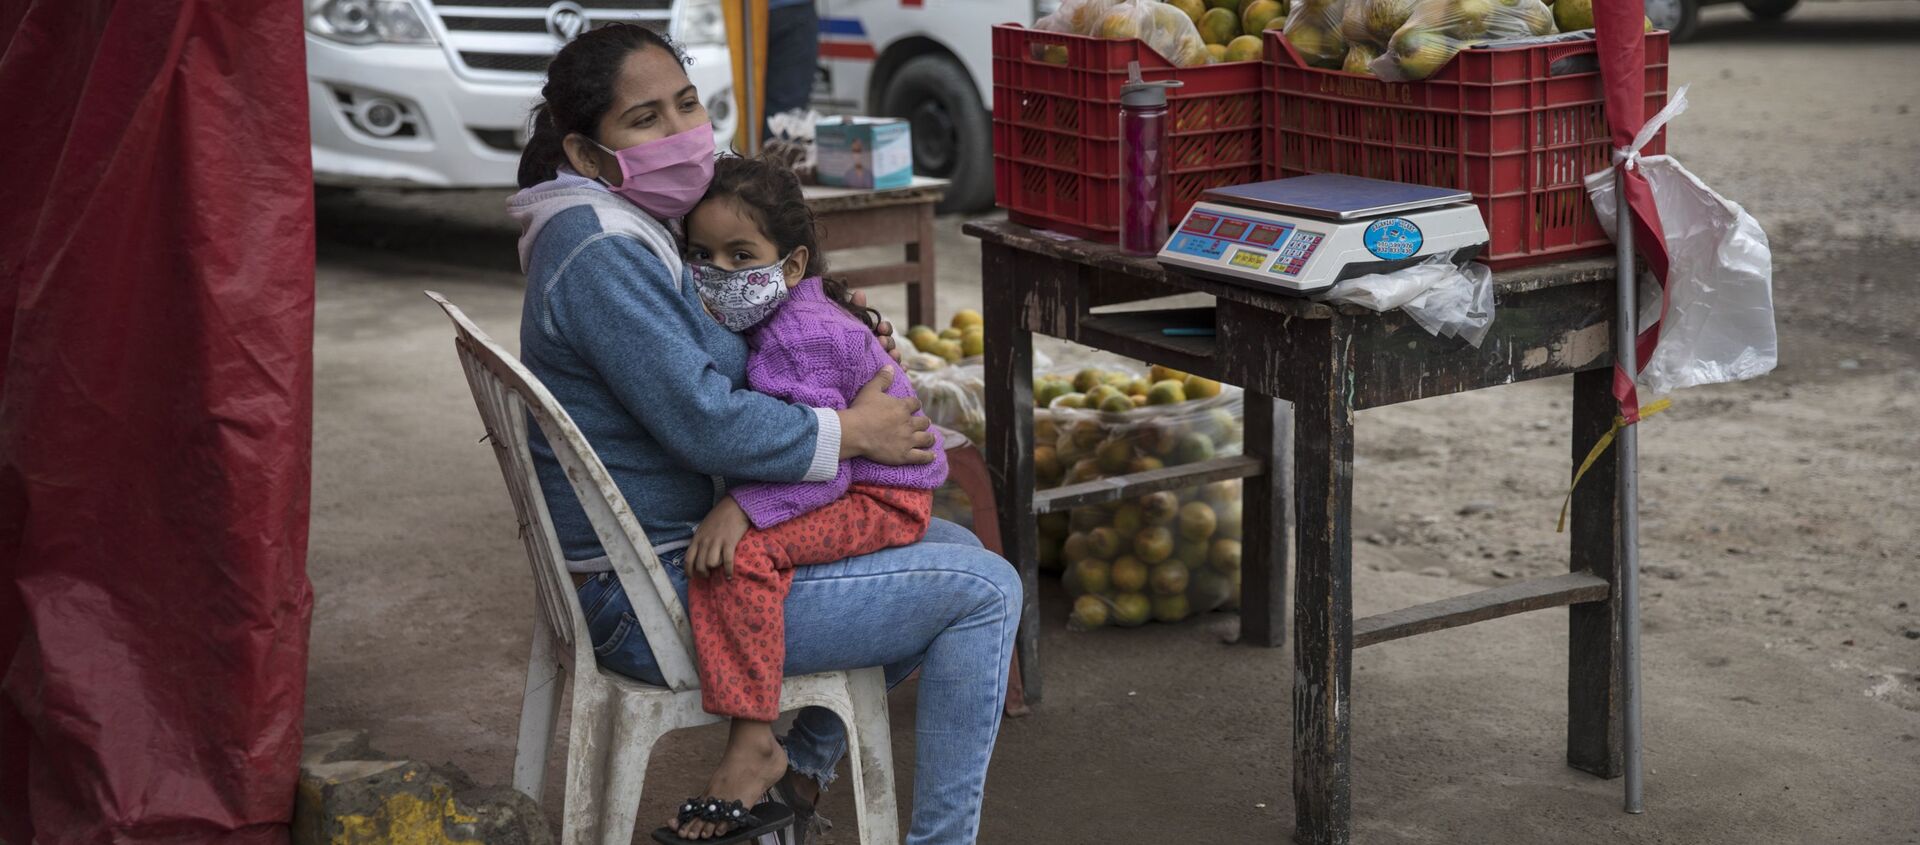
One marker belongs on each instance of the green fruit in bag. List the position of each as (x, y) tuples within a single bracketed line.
[(1074, 549), (1225, 558), (1114, 455), (1197, 521), (1160, 508), (1091, 575), (1221, 492), (1193, 553), (1168, 392), (1169, 578), (1227, 520), (1153, 545), (1219, 26), (1208, 590), (1256, 15), (1131, 609), (1089, 612), (1171, 608), (1128, 575), (1192, 449)]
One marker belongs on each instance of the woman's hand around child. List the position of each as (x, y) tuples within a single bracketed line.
[(714, 539), (884, 330), (884, 429)]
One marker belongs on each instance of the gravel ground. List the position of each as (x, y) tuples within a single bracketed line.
[(1782, 596)]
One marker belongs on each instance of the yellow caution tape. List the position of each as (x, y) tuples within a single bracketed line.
[(1600, 447)]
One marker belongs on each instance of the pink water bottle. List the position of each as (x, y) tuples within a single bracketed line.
[(1143, 163)]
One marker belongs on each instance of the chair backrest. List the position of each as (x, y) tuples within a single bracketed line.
[(507, 394)]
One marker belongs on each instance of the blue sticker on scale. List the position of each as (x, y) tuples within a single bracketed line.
[(1392, 238)]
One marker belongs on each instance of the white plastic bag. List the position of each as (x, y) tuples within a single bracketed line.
[(1445, 299), (1164, 28), (1437, 29), (1077, 17), (791, 132), (1314, 29), (1718, 325), (954, 397)]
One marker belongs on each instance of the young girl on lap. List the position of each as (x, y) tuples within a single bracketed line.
[(756, 261)]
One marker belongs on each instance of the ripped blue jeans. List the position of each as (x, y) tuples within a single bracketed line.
[(944, 605)]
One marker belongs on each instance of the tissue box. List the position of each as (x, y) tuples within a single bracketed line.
[(863, 152)]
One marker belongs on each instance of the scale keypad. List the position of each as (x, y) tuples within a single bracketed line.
[(1293, 257)]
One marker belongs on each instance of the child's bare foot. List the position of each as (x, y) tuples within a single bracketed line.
[(752, 764)]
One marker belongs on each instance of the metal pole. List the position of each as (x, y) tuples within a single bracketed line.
[(749, 85), (1625, 327)]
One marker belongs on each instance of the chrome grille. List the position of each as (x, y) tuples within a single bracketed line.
[(494, 38)]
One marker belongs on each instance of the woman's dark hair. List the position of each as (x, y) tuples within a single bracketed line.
[(768, 191), (579, 91)]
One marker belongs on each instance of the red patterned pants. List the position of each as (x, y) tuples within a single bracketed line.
[(739, 625)]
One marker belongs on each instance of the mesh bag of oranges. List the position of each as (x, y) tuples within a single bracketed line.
[(1161, 557)]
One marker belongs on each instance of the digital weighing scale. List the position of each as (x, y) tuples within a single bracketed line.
[(1302, 235)]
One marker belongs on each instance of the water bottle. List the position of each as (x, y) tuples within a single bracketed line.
[(1143, 163)]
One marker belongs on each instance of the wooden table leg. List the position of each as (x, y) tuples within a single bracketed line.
[(1593, 663), (921, 308), (1266, 511), (1323, 579), (1009, 395)]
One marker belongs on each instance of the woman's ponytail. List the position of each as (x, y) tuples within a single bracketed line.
[(544, 154), (579, 91)]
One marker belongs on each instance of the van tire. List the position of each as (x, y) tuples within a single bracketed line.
[(952, 132), (1681, 18), (1769, 10)]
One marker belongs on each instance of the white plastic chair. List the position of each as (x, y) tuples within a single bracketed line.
[(617, 720)]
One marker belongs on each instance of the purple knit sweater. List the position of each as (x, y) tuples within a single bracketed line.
[(812, 352)]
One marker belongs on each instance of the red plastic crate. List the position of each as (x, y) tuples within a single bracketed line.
[(1519, 128), (1056, 128)]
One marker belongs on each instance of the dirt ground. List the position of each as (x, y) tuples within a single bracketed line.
[(1781, 588)]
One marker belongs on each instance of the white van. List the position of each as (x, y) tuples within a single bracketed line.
[(435, 93), (930, 61)]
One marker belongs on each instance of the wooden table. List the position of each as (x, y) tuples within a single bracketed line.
[(1327, 362), (850, 218)]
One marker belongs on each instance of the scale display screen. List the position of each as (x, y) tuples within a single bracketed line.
[(1208, 235)]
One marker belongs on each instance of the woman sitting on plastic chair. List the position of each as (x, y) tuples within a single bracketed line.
[(613, 326)]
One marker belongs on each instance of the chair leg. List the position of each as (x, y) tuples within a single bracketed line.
[(969, 470), (589, 744), (539, 714), (633, 737), (872, 763)]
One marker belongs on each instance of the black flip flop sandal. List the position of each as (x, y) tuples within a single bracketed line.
[(806, 821), (763, 819)]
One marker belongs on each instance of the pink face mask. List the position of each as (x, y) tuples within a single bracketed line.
[(665, 177)]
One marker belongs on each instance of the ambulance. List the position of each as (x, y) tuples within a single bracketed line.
[(931, 62), (435, 93)]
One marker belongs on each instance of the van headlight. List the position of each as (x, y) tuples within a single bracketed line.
[(367, 21), (700, 23)]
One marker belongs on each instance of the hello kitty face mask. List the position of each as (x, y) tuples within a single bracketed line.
[(741, 298)]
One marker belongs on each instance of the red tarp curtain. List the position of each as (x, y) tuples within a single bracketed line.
[(156, 377), (1618, 30)]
